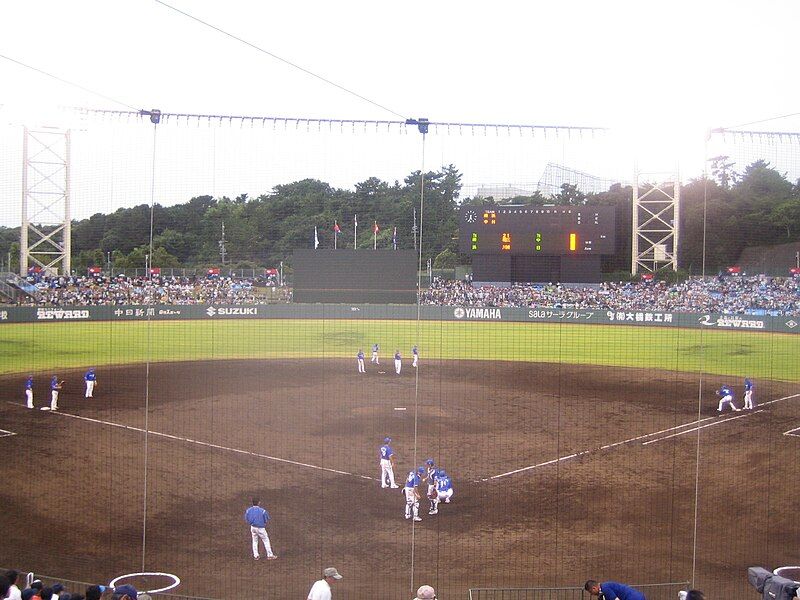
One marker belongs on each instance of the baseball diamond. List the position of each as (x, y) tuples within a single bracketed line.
[(560, 467)]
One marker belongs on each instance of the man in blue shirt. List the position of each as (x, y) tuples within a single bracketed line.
[(360, 360), (726, 397), (749, 386), (398, 362), (29, 390), (55, 388), (91, 380), (411, 494), (611, 590), (387, 464), (415, 356), (258, 518)]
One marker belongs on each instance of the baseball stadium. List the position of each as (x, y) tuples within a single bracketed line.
[(501, 360)]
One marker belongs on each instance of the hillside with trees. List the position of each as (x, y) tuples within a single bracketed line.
[(756, 206)]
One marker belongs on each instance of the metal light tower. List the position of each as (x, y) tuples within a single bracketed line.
[(45, 235), (656, 214)]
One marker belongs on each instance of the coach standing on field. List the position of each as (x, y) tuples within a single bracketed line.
[(257, 517)]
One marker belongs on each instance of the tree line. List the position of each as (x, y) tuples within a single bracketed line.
[(757, 206)]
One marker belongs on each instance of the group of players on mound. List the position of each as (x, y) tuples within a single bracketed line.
[(439, 484), (375, 360)]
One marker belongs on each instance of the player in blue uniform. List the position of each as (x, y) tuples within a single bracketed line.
[(726, 397), (415, 356), (611, 590), (55, 388), (360, 360), (29, 390), (749, 388), (411, 493), (430, 477), (444, 489), (91, 380), (387, 464), (398, 362), (374, 359)]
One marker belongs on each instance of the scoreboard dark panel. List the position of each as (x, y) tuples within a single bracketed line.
[(355, 276), (537, 230), (530, 269)]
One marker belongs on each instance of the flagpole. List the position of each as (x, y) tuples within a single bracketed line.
[(375, 236), (414, 228), (335, 234), (355, 230)]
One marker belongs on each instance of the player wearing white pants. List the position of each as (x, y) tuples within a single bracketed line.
[(748, 394), (360, 361), (411, 494), (374, 359), (726, 397), (258, 518), (55, 387), (398, 362), (29, 391), (387, 464), (90, 378), (444, 490)]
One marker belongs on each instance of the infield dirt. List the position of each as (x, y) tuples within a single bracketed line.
[(222, 432)]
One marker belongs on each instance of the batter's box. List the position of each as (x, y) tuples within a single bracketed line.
[(793, 432), (4, 433)]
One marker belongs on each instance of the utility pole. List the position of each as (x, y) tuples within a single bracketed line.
[(222, 245)]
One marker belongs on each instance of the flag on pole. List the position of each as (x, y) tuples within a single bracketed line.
[(355, 231), (375, 230), (336, 232), (316, 238), (394, 238)]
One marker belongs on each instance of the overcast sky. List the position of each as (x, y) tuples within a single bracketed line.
[(661, 73)]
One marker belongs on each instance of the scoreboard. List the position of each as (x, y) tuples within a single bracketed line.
[(537, 230)]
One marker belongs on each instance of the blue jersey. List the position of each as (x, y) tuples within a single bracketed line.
[(617, 591), (412, 480), (443, 484), (360, 355), (386, 452), (90, 376), (54, 383), (397, 356), (374, 347), (748, 385), (256, 516), (29, 383), (725, 391), (414, 351)]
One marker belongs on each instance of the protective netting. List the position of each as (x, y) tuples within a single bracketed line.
[(578, 424)]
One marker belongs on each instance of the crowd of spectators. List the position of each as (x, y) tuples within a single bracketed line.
[(727, 295), (122, 290), (36, 590)]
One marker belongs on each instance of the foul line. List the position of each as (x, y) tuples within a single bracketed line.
[(206, 444), (792, 432), (720, 422), (4, 433), (639, 437)]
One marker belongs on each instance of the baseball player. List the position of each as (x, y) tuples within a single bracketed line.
[(749, 386), (398, 362), (430, 475), (258, 518), (387, 464), (29, 390), (360, 359), (374, 359), (726, 397), (415, 356), (611, 590), (91, 380), (411, 493), (55, 387), (444, 490)]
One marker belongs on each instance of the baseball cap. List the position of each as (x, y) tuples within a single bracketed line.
[(93, 592), (28, 593), (421, 470), (58, 588), (127, 589), (387, 440), (429, 461), (331, 572), (425, 592)]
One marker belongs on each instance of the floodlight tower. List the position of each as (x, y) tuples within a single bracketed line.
[(656, 215), (46, 231)]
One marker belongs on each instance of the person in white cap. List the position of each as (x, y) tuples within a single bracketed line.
[(425, 592), (321, 590)]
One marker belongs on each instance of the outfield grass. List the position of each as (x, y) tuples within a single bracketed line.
[(53, 346)]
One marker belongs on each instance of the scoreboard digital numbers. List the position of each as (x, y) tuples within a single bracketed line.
[(532, 230)]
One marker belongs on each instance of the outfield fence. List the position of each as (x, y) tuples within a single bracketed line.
[(652, 591)]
